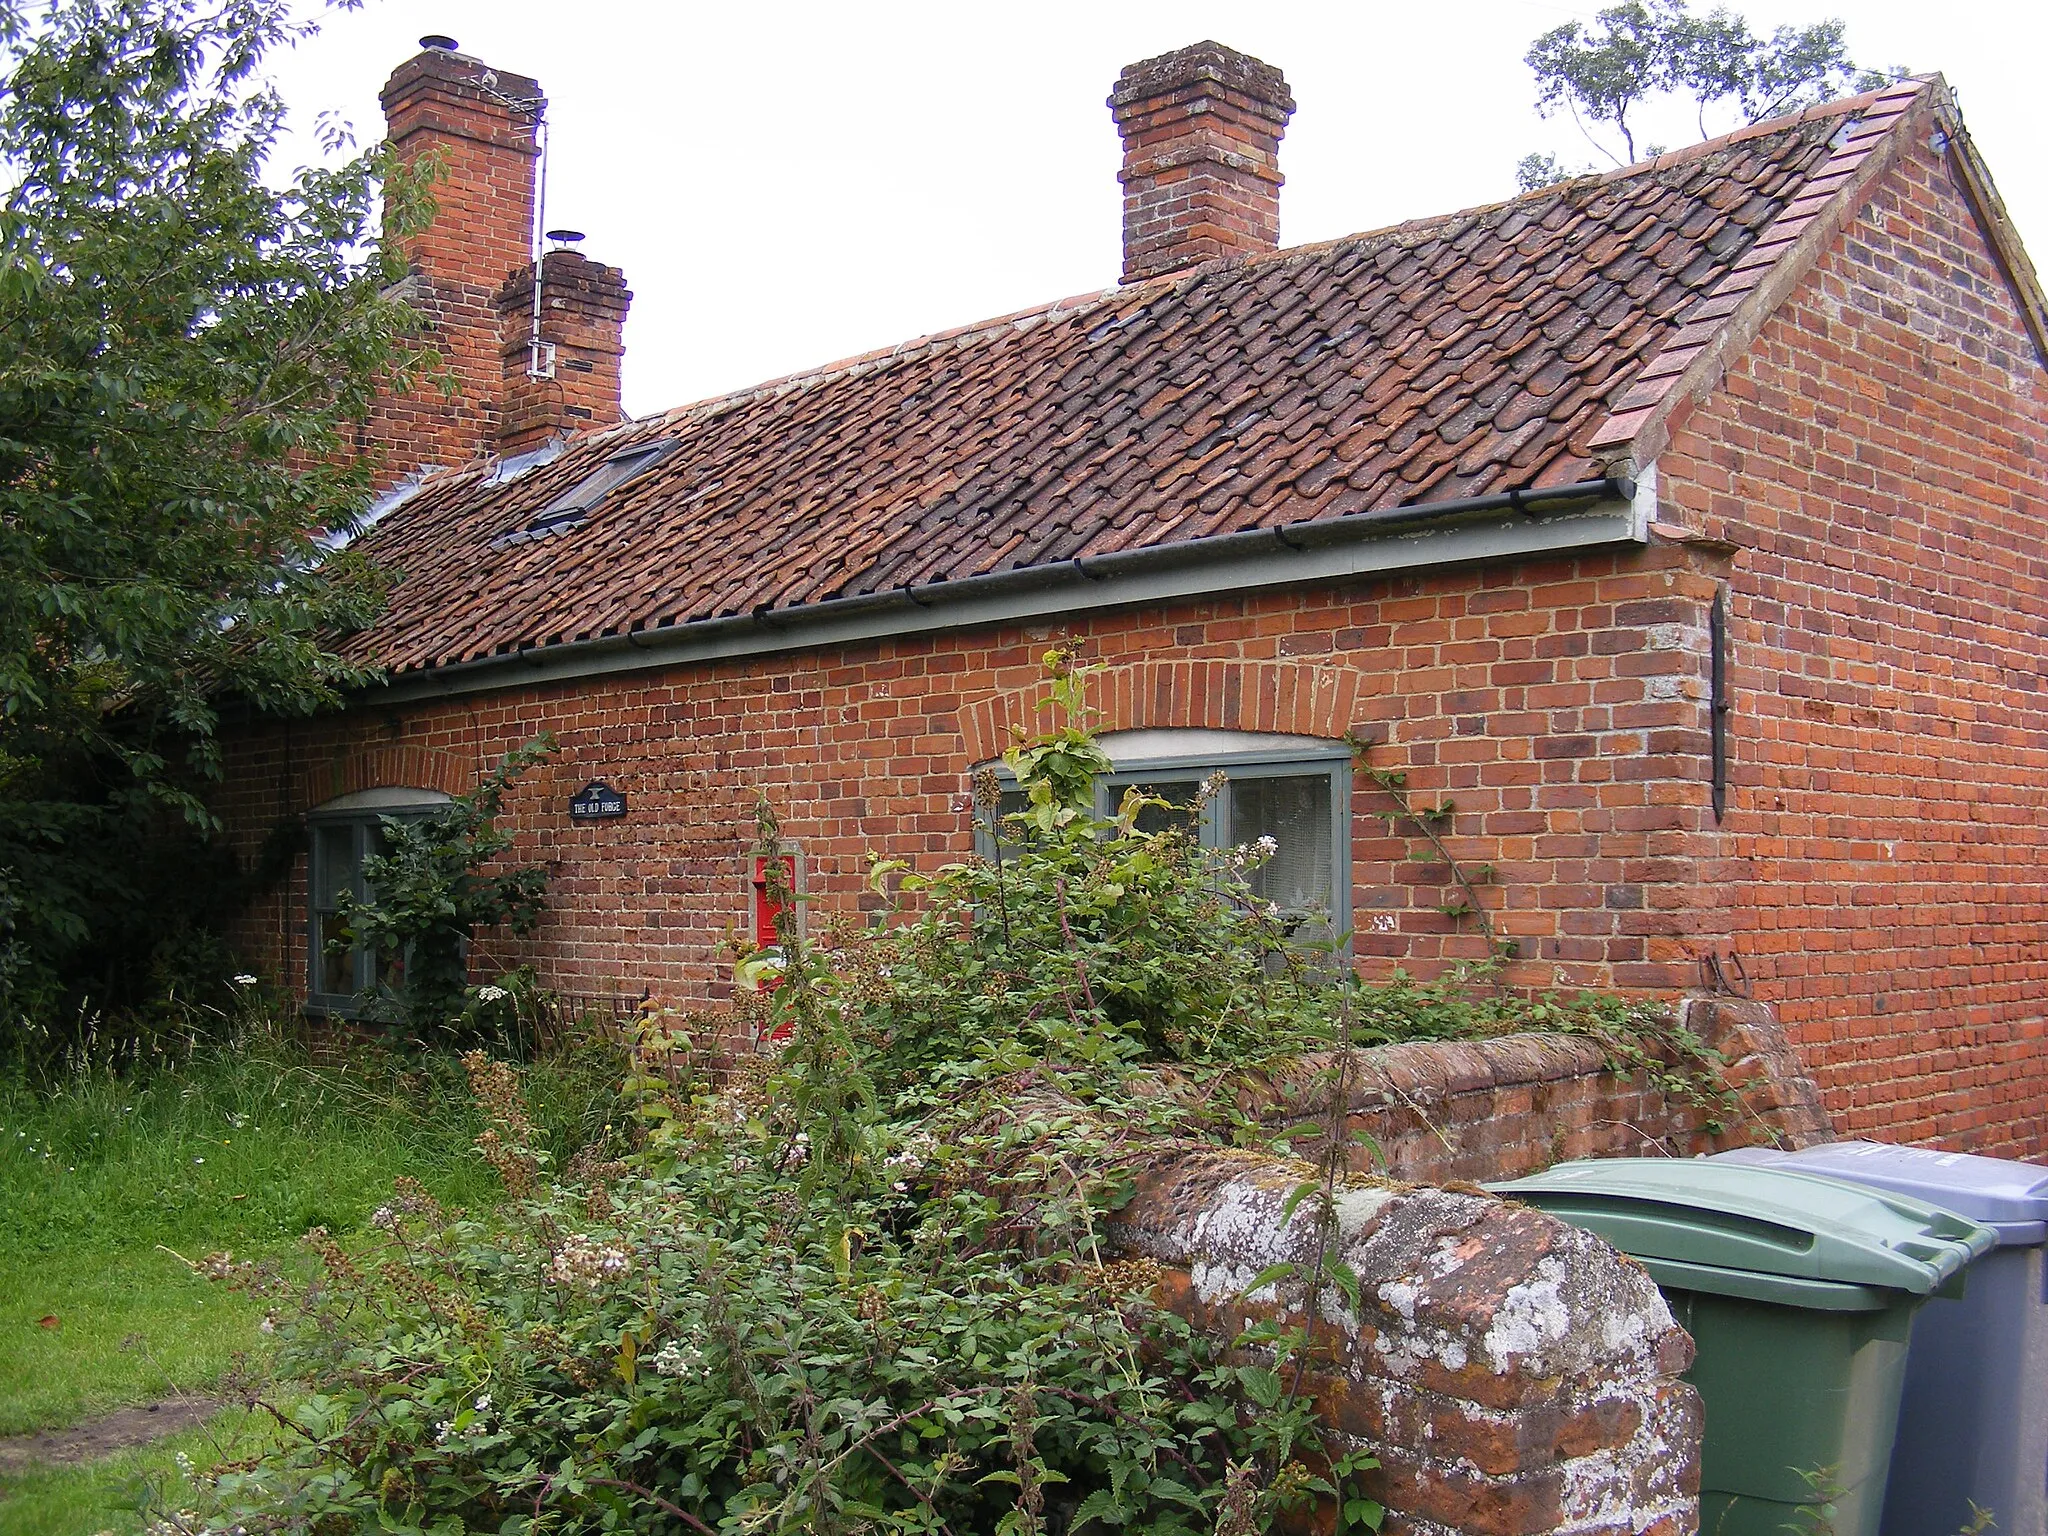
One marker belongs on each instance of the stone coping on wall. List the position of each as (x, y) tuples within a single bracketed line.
[(1511, 1374), (1446, 1111)]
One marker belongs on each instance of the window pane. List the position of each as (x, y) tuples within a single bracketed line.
[(608, 477), (334, 863), (335, 975), (1179, 795), (988, 824), (1295, 813)]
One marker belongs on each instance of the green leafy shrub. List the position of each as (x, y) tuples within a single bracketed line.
[(700, 1340), (853, 1282), (432, 888)]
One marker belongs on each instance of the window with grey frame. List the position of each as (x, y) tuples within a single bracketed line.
[(1300, 798), (342, 838)]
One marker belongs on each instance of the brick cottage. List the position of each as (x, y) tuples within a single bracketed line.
[(1682, 525)]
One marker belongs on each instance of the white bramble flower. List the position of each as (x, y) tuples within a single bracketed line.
[(244, 980), (914, 1153), (580, 1261), (676, 1358), (383, 1218), (1267, 845)]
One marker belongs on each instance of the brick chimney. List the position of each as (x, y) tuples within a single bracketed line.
[(571, 381), (470, 267), (1201, 175)]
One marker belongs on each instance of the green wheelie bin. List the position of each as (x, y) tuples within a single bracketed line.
[(1799, 1293)]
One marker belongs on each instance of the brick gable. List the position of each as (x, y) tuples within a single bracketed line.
[(1876, 455)]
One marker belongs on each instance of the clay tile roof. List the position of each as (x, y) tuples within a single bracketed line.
[(1477, 352)]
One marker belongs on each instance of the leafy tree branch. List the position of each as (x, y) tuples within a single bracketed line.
[(1608, 74)]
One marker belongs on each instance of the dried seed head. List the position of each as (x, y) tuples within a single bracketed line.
[(988, 789)]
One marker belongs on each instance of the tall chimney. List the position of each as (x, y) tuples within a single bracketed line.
[(481, 125), (560, 360), (1201, 176)]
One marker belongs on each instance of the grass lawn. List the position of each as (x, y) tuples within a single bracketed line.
[(114, 1493), (106, 1182)]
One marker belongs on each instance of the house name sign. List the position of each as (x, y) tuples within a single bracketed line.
[(597, 801)]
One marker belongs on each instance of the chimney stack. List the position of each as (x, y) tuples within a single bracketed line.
[(571, 380), (1201, 175), (471, 265)]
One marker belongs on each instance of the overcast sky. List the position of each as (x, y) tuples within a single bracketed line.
[(787, 184)]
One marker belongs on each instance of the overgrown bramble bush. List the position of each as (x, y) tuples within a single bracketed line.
[(704, 1342)]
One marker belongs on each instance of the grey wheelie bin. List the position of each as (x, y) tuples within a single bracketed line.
[(1973, 1424), (1800, 1293)]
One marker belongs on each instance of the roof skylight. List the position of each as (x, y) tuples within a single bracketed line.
[(581, 499)]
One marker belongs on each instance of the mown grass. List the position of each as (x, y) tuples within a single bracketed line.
[(109, 1183)]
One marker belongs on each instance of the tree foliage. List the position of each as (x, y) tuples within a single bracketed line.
[(1633, 55), (187, 346)]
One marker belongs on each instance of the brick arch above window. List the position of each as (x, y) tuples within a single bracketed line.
[(390, 766), (1286, 697)]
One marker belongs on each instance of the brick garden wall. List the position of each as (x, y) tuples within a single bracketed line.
[(1511, 1375), (1877, 457), (1440, 1111)]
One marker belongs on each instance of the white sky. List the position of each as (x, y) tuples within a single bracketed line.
[(788, 184)]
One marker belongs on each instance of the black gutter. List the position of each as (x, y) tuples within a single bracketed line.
[(1181, 554)]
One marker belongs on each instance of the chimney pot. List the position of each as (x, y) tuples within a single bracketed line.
[(1201, 128), (435, 42)]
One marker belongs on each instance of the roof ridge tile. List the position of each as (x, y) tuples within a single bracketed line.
[(1659, 382)]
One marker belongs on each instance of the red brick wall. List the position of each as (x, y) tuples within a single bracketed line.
[(1551, 701), (1877, 457)]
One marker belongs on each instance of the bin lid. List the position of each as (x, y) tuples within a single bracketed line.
[(2009, 1197), (1727, 1223)]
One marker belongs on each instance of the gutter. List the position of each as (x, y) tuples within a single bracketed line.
[(1505, 525)]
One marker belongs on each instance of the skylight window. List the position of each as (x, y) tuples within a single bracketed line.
[(580, 500)]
